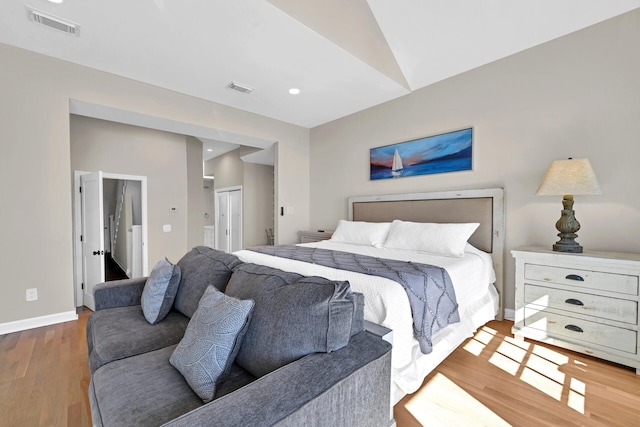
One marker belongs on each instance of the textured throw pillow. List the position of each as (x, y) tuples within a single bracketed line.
[(160, 291), (294, 316), (201, 267), (361, 232), (435, 238), (211, 341)]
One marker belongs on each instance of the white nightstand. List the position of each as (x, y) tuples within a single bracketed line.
[(583, 302), (314, 236)]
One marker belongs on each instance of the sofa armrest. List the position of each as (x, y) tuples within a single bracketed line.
[(379, 330), (348, 387), (118, 293)]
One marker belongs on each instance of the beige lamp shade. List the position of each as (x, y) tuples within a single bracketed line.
[(573, 176)]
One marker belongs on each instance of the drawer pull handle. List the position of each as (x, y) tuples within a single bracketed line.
[(573, 301), (574, 328), (574, 277)]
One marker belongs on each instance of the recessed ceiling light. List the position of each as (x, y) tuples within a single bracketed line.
[(294, 91), (209, 149), (56, 1)]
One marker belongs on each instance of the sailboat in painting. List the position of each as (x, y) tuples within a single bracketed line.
[(396, 168)]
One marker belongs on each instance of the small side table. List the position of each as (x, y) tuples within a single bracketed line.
[(314, 236), (588, 302)]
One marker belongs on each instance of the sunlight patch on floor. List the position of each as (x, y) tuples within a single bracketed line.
[(509, 356), (505, 363), (443, 403), (534, 364), (545, 367), (576, 396), (552, 355), (480, 340), (474, 347), (542, 383)]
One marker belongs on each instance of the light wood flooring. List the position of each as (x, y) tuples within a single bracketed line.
[(492, 380), (44, 376), (496, 380)]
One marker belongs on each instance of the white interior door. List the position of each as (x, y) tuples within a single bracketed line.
[(92, 235), (228, 227), (222, 221), (235, 219)]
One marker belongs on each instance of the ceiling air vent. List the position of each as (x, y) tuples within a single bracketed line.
[(53, 22), (240, 87)]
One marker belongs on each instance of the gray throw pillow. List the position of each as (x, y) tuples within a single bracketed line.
[(211, 341), (294, 316), (201, 267), (160, 290)]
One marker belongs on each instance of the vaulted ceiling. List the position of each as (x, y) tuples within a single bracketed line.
[(343, 55)]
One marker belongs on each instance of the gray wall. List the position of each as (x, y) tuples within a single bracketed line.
[(161, 157), (257, 183), (227, 169), (258, 203), (35, 160), (195, 197), (207, 195), (578, 96)]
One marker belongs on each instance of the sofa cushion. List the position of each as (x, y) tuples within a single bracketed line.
[(357, 323), (293, 316), (211, 341), (160, 291), (232, 380), (121, 332), (140, 390), (201, 267)]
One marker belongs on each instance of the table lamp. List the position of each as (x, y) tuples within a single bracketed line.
[(567, 178)]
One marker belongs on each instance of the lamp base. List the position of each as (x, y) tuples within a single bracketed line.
[(567, 226), (567, 246)]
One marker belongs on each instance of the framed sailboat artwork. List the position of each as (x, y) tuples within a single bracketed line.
[(447, 152)]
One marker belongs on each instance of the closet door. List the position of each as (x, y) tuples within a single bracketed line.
[(222, 221), (235, 220), (228, 227)]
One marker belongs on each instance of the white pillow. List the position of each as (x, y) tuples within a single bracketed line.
[(441, 239), (361, 233)]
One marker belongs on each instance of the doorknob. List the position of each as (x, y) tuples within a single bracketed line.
[(98, 252)]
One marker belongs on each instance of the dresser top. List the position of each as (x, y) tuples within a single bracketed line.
[(586, 254)]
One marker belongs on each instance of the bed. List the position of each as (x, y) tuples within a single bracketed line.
[(476, 275)]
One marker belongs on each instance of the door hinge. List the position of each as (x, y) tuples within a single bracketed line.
[(81, 238), (82, 286), (81, 189)]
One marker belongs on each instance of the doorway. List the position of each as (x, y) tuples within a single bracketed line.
[(110, 224), (228, 213)]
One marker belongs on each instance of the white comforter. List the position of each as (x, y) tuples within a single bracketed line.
[(386, 302)]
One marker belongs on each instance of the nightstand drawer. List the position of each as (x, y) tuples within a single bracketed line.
[(314, 236), (578, 302), (620, 283), (555, 325)]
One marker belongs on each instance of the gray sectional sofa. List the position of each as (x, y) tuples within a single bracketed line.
[(301, 356)]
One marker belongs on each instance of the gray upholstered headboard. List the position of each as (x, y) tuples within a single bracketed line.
[(484, 206)]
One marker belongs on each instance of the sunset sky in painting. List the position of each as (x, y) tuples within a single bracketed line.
[(423, 149)]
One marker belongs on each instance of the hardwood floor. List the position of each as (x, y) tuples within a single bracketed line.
[(44, 376), (495, 380), (491, 380)]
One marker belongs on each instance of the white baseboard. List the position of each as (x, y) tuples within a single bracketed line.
[(37, 322), (509, 314)]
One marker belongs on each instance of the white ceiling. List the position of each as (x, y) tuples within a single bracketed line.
[(344, 55)]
